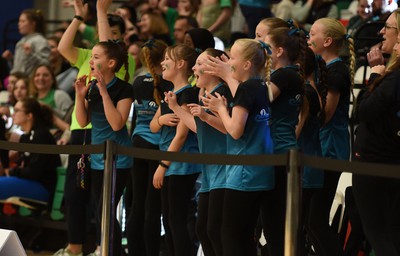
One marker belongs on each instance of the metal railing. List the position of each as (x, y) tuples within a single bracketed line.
[(294, 161)]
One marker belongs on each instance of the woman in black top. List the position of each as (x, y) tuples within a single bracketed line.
[(35, 176), (378, 141)]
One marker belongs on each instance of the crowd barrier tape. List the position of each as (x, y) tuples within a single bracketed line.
[(374, 169), (293, 160)]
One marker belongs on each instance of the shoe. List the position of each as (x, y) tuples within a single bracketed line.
[(66, 252)]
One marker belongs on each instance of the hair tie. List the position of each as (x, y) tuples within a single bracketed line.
[(266, 47), (111, 41), (347, 36), (198, 50), (296, 31), (150, 44), (290, 23)]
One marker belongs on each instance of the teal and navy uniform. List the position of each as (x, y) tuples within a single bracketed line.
[(145, 106), (184, 95), (334, 136), (102, 131), (285, 108), (212, 141), (308, 140), (253, 96)]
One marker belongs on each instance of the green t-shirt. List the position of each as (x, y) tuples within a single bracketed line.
[(89, 34), (83, 65), (170, 17)]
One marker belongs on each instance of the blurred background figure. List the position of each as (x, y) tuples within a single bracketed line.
[(32, 49)]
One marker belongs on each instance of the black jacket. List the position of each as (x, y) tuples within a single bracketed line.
[(378, 135)]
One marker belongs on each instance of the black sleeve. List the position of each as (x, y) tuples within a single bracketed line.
[(36, 165), (376, 103), (243, 97), (280, 79), (189, 95)]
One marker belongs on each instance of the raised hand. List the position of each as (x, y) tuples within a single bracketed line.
[(214, 103), (218, 67), (170, 98), (197, 110), (80, 8), (375, 57), (80, 87)]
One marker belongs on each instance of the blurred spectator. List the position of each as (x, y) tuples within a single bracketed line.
[(19, 92), (65, 74), (186, 8), (9, 83), (254, 11), (364, 12), (380, 9), (181, 26), (283, 9), (306, 12), (135, 50), (32, 49), (216, 17), (153, 26), (43, 86), (35, 175)]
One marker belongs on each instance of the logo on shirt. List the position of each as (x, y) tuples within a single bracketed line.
[(296, 101), (263, 116)]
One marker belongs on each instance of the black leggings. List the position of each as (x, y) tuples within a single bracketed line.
[(175, 197), (307, 195), (77, 200), (209, 219), (273, 213), (324, 239), (378, 203), (144, 225), (97, 193), (240, 214)]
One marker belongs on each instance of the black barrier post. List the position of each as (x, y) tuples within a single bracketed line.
[(293, 204), (107, 219)]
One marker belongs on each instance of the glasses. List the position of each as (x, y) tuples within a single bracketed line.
[(387, 26)]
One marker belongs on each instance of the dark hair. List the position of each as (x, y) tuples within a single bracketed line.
[(131, 8), (151, 55), (189, 19), (116, 20), (116, 50), (183, 52), (36, 15), (315, 64), (202, 38), (42, 114), (13, 100)]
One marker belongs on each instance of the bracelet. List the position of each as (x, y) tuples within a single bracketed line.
[(162, 164), (158, 121), (78, 17)]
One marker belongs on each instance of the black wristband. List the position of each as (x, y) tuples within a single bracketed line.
[(80, 18), (162, 164)]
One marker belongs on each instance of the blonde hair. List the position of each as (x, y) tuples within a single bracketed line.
[(335, 29), (273, 22), (183, 52), (253, 51)]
